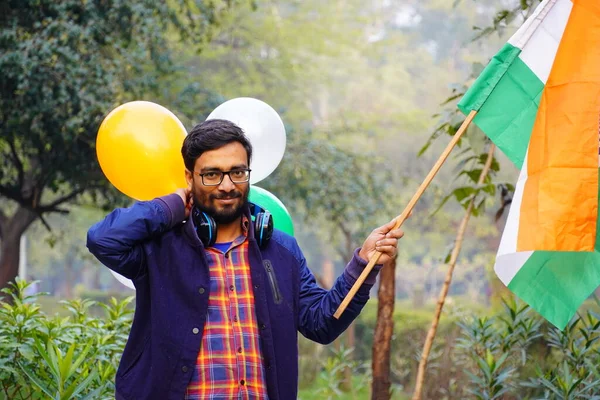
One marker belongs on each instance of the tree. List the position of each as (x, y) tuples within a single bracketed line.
[(64, 66), (384, 330)]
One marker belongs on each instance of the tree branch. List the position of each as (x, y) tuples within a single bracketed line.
[(52, 206), (18, 162), (46, 224), (417, 395)]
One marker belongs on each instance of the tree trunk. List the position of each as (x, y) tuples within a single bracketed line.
[(9, 258), (328, 274), (383, 333), (11, 230)]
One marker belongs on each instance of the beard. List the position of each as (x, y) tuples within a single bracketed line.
[(207, 202)]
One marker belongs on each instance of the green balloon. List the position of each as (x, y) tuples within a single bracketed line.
[(267, 200)]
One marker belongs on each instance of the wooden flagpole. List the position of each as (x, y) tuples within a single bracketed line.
[(444, 291), (402, 217)]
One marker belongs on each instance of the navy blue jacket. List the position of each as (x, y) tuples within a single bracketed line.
[(151, 244)]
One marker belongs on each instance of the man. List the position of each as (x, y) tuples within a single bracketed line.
[(217, 313)]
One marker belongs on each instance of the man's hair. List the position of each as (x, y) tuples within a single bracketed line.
[(211, 135)]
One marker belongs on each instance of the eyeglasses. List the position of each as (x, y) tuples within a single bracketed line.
[(214, 178)]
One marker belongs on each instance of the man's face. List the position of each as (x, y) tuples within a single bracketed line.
[(224, 202)]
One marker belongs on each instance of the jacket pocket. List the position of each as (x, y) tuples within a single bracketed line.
[(127, 368), (273, 281)]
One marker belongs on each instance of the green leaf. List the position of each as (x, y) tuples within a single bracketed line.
[(463, 193), (37, 381), (73, 390), (93, 395), (65, 365), (46, 356), (82, 356), (489, 359)]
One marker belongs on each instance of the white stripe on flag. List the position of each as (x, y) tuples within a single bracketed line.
[(508, 265), (520, 38), (539, 36), (508, 261), (541, 49)]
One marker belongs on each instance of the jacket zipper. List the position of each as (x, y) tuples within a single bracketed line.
[(273, 281)]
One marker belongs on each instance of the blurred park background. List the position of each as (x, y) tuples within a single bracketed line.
[(367, 91)]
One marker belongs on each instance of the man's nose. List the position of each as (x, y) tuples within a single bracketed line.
[(227, 184)]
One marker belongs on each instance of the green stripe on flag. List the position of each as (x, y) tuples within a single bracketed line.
[(507, 96), (556, 283)]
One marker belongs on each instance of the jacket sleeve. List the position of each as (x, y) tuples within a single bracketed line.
[(117, 240), (317, 305)]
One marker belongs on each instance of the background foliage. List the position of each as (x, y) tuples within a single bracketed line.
[(365, 90)]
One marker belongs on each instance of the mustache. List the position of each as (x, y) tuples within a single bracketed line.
[(225, 196)]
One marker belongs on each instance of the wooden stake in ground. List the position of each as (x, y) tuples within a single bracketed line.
[(402, 217), (444, 291)]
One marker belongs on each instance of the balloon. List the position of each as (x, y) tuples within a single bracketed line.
[(123, 280), (139, 150), (281, 217), (263, 127)]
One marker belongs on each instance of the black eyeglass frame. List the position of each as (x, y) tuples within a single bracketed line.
[(223, 173)]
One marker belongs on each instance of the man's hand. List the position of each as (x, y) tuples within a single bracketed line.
[(383, 240), (186, 197)]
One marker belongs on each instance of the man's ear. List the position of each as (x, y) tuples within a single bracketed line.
[(188, 178)]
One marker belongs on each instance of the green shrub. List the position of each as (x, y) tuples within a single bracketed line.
[(513, 354), (517, 355), (58, 357)]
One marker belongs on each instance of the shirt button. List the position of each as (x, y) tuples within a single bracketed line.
[(226, 255), (184, 368), (239, 349), (195, 330), (231, 288), (201, 290), (242, 382), (255, 286), (262, 326), (235, 318)]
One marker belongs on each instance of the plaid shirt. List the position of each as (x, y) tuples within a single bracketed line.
[(229, 364)]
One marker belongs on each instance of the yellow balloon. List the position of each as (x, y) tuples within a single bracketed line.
[(139, 150)]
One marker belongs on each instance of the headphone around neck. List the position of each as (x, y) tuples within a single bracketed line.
[(206, 227)]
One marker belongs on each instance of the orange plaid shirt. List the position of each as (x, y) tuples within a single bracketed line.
[(230, 363)]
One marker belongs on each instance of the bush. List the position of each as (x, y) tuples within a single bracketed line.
[(513, 354), (57, 357), (517, 355)]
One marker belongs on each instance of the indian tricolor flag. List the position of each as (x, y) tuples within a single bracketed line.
[(538, 100)]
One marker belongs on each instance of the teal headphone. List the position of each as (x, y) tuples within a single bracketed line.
[(206, 227)]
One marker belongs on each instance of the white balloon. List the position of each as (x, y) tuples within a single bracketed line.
[(123, 280), (263, 127)]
